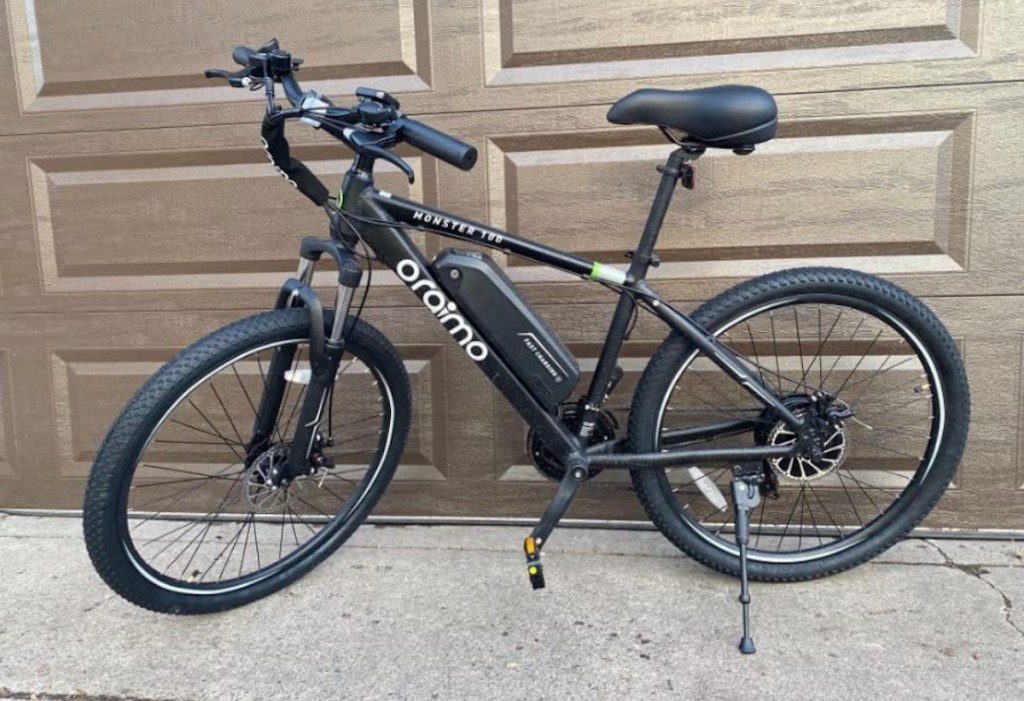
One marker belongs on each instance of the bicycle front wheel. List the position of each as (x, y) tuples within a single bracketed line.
[(895, 387), (180, 516)]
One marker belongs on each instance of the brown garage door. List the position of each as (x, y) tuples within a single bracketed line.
[(137, 211)]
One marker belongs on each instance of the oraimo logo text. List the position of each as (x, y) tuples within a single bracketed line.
[(443, 309)]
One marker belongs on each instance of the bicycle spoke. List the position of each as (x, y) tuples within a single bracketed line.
[(859, 361), (220, 401), (301, 520), (836, 361), (233, 543), (185, 493), (226, 533), (203, 532), (332, 492), (799, 345), (162, 440), (753, 347), (223, 441), (185, 472), (821, 346), (837, 347), (789, 520), (280, 543), (216, 432), (164, 483), (824, 508), (359, 437)]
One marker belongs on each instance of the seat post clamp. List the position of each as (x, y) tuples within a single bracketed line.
[(688, 176), (651, 260), (684, 174)]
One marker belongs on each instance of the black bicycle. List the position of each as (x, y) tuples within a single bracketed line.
[(829, 407)]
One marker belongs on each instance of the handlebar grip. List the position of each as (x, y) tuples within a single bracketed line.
[(437, 143), (242, 54)]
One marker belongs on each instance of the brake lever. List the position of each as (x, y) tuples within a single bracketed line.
[(236, 79), (378, 152)]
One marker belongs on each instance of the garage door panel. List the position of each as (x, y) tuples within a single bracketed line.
[(916, 184), (62, 66), (992, 458), (790, 48), (185, 222), (6, 417), (446, 57), (565, 42), (139, 212), (895, 193), (91, 385)]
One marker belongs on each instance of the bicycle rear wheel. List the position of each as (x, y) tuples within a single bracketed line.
[(180, 518), (880, 356)]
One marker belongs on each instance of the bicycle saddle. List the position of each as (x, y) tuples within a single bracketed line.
[(724, 116)]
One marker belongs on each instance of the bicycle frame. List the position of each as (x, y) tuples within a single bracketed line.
[(392, 246)]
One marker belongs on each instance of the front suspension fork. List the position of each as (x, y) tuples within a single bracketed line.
[(325, 353)]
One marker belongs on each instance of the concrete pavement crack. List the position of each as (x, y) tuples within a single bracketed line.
[(978, 573)]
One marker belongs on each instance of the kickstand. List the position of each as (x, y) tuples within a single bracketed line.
[(746, 494)]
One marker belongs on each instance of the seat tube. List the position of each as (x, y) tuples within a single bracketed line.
[(641, 262)]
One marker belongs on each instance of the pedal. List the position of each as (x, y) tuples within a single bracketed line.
[(533, 566), (536, 572)]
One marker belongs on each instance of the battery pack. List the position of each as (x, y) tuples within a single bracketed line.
[(508, 323)]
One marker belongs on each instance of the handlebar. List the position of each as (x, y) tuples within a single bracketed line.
[(370, 128), (291, 89), (437, 143), (242, 55)]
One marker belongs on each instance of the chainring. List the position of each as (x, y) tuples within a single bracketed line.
[(546, 462)]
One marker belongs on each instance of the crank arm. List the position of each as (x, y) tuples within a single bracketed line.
[(576, 474)]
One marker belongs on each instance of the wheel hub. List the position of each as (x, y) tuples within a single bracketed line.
[(829, 415), (262, 487)]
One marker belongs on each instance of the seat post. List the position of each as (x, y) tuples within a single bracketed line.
[(675, 168), (643, 257)]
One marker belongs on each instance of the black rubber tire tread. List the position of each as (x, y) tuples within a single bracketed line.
[(663, 366), (115, 461)]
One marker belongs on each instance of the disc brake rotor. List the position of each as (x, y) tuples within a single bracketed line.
[(802, 469), (257, 489)]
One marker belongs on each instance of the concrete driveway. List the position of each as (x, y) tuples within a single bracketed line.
[(447, 613)]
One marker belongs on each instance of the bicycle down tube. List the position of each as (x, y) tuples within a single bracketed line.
[(398, 252)]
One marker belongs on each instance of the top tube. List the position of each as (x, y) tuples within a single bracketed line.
[(438, 222)]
